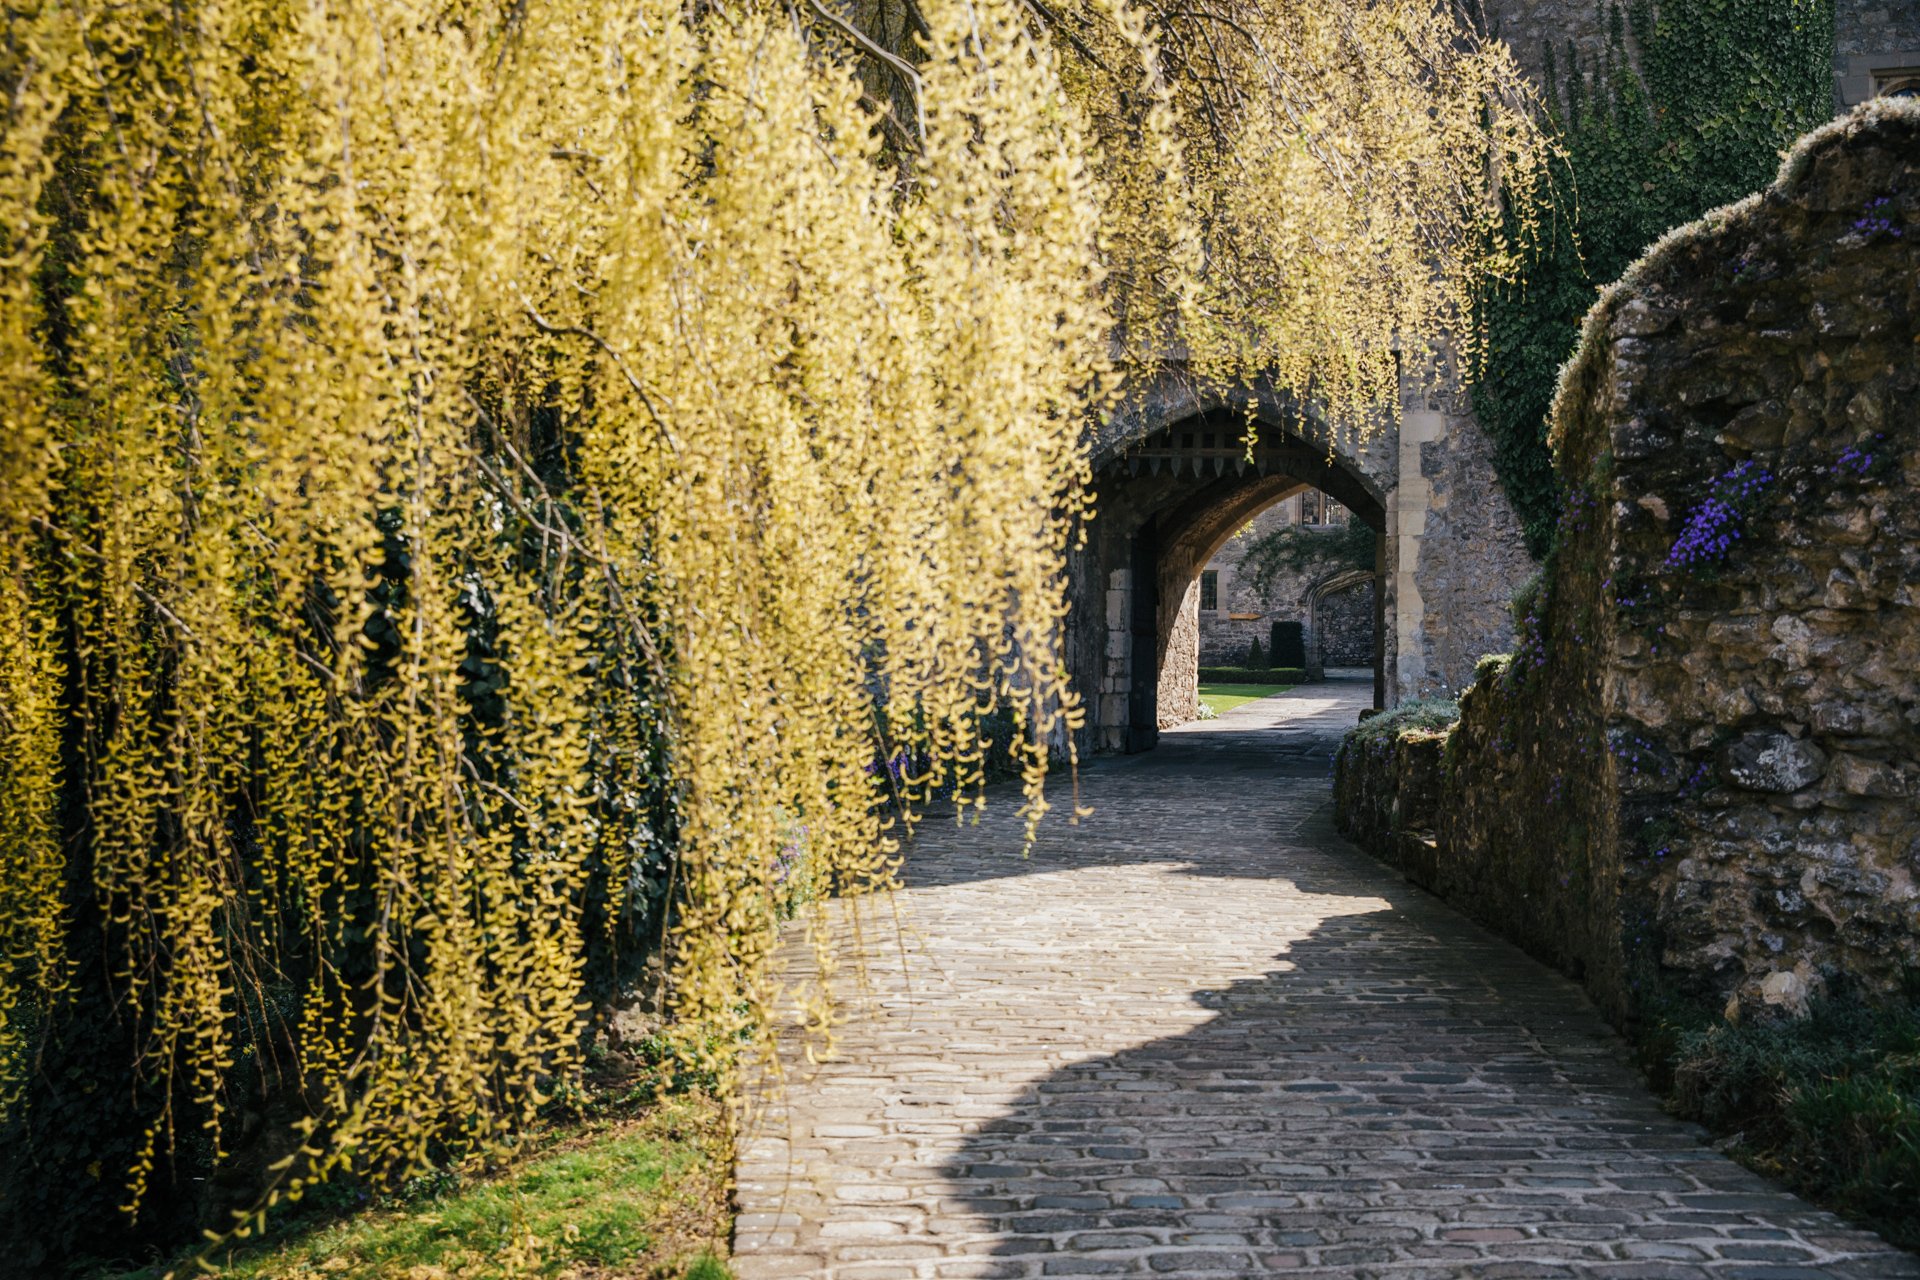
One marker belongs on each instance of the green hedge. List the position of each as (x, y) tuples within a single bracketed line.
[(1252, 675)]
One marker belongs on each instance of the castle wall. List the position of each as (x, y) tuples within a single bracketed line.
[(1702, 764)]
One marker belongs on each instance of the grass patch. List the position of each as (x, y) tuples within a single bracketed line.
[(1224, 697), (1828, 1104), (640, 1195)]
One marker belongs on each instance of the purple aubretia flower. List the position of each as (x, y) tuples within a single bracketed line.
[(1714, 526), (1874, 220)]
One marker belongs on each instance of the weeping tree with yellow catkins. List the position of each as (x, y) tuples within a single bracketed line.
[(476, 480), (1291, 191)]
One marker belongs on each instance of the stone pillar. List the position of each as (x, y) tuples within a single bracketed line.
[(1143, 725), (1116, 676), (1381, 571), (1310, 637), (1411, 498), (1455, 553), (1179, 699)]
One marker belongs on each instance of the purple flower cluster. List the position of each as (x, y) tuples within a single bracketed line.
[(1532, 653), (1626, 603), (1711, 529), (1714, 526), (1637, 755), (1874, 220), (1577, 511), (1857, 461)]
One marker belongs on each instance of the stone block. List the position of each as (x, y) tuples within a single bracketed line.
[(1771, 760)]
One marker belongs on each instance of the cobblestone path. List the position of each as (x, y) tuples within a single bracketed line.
[(1200, 1035)]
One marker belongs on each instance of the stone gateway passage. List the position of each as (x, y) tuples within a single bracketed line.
[(1198, 1034)]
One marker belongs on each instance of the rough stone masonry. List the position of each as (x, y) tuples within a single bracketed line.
[(1702, 763)]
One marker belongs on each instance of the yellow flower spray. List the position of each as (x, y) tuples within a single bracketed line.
[(411, 410)]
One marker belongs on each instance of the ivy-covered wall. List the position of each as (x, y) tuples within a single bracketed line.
[(1664, 111)]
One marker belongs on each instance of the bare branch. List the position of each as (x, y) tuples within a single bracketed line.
[(900, 66)]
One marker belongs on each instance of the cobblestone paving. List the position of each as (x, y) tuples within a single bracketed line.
[(1200, 1035)]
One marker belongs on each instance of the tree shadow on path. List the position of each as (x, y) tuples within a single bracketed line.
[(1199, 1034), (1391, 1101)]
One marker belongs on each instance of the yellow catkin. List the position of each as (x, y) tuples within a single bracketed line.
[(1303, 192), (411, 410)]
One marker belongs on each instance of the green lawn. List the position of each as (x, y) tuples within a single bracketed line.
[(1225, 697), (628, 1198)]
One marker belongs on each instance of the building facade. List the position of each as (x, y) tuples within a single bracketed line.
[(1243, 593)]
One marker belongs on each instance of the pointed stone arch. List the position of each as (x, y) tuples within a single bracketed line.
[(1173, 478), (1331, 584)]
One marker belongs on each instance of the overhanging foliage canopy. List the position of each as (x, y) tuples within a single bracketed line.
[(446, 446)]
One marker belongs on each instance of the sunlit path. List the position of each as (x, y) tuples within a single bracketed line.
[(1198, 1034)]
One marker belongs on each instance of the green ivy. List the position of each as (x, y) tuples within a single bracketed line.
[(1292, 548), (1688, 106)]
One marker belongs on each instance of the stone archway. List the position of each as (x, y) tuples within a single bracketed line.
[(1190, 533), (1173, 477), (1334, 584), (1166, 500)]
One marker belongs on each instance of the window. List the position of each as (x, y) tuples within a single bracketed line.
[(1896, 84), (1209, 589), (1883, 73)]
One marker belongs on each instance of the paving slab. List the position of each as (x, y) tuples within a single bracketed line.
[(1198, 1034)]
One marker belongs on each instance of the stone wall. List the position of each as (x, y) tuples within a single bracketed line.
[(1869, 36), (1456, 549), (1529, 26), (1701, 766), (1875, 26), (1247, 613), (1345, 622), (1872, 36), (1226, 633), (1387, 790)]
